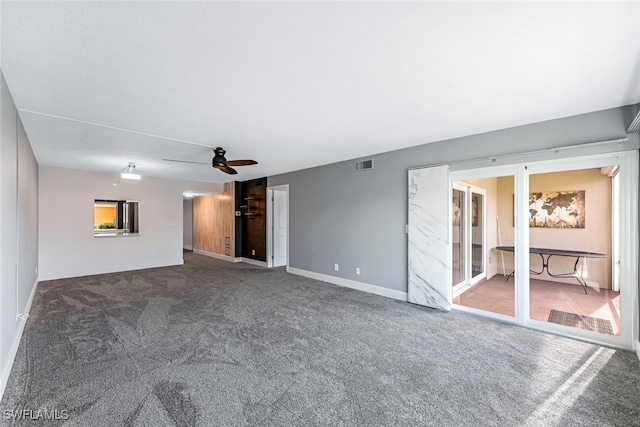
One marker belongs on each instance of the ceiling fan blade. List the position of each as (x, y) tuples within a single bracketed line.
[(227, 169), (241, 162), (185, 161)]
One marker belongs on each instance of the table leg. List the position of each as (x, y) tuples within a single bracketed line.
[(575, 274), (544, 265)]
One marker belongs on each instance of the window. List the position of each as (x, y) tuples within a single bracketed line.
[(115, 218)]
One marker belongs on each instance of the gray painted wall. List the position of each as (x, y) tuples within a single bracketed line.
[(8, 170), (187, 223), (357, 219), (18, 226), (28, 233)]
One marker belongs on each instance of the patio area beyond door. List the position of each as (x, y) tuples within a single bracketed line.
[(557, 251)]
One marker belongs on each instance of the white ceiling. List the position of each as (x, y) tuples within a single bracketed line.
[(298, 84)]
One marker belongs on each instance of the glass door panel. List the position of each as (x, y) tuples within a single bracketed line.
[(571, 249), (477, 234), (458, 236), (486, 223)]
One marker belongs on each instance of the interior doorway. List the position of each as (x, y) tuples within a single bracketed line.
[(278, 226)]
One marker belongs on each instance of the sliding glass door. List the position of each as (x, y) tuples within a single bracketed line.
[(557, 251), (576, 248), (482, 215)]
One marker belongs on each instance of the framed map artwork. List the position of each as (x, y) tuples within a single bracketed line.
[(557, 209)]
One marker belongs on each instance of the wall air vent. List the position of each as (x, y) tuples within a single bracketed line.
[(364, 165)]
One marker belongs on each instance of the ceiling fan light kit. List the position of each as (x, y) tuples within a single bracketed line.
[(130, 172), (220, 162)]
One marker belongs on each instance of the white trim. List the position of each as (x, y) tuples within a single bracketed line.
[(135, 132), (347, 283), (467, 229), (549, 328), (283, 187), (65, 274), (613, 341), (217, 256), (637, 352), (27, 306), (6, 371), (557, 153), (187, 247), (269, 235), (253, 262), (486, 314)]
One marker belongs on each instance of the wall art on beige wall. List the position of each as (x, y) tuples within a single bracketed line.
[(557, 209)]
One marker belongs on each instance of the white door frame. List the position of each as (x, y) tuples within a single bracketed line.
[(628, 162), (469, 190), (493, 172), (270, 190), (462, 284), (628, 245)]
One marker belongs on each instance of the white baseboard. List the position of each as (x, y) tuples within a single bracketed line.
[(254, 262), (230, 258), (187, 247), (65, 274), (217, 256), (22, 321), (347, 283), (638, 349), (27, 307)]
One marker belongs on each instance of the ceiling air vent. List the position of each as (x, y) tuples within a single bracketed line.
[(364, 165)]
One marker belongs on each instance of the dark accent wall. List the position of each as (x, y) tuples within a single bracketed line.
[(254, 219), (239, 201)]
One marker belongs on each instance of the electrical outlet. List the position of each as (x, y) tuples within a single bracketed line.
[(357, 271), (336, 267), (253, 251)]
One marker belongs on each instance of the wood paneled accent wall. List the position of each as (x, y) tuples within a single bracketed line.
[(213, 222)]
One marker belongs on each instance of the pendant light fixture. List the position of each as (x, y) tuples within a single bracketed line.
[(130, 172)]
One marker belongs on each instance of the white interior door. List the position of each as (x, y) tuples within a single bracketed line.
[(429, 276), (279, 228)]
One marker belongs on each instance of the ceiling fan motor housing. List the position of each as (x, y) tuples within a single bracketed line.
[(219, 160)]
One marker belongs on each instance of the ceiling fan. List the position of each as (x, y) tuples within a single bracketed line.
[(220, 162)]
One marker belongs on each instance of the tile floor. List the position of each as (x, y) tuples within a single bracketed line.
[(497, 295)]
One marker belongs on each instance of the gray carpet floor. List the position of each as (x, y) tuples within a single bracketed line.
[(212, 343)]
